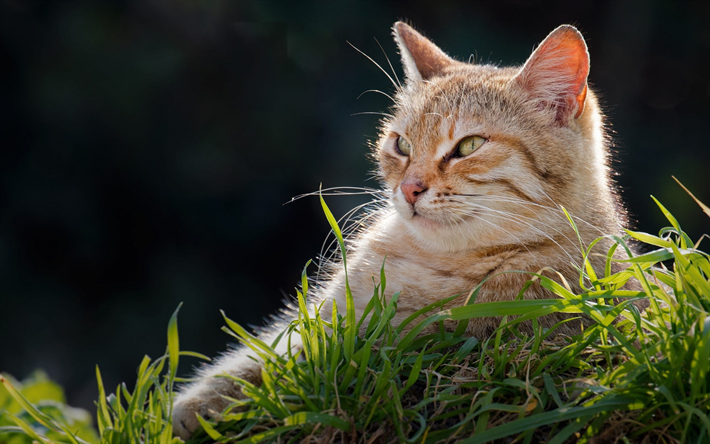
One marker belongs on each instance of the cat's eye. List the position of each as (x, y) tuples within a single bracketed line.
[(469, 145), (403, 147)]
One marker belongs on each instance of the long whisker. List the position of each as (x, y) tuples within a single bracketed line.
[(340, 191), (376, 91), (601, 231), (555, 210), (374, 113), (389, 63), (505, 231), (477, 217), (348, 226), (349, 223), (550, 211), (519, 218), (325, 261), (376, 64)]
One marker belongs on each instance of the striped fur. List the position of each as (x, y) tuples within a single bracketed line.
[(476, 217)]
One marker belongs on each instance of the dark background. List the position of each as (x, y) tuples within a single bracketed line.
[(148, 148)]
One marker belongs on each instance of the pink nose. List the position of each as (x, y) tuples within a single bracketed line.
[(411, 189)]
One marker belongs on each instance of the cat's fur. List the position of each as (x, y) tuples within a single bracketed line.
[(453, 221)]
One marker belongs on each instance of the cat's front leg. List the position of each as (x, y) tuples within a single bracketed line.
[(208, 395)]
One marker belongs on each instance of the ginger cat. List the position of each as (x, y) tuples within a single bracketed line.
[(476, 161)]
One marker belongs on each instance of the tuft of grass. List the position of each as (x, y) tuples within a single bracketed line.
[(144, 415), (28, 406), (631, 376), (139, 416)]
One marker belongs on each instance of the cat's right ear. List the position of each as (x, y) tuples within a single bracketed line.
[(555, 75), (421, 58)]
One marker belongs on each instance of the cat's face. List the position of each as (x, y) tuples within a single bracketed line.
[(475, 151)]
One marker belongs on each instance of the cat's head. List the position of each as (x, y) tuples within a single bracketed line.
[(477, 154)]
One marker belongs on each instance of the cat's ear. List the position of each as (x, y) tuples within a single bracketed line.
[(420, 57), (555, 75)]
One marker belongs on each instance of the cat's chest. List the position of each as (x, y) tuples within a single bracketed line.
[(425, 275), (438, 275)]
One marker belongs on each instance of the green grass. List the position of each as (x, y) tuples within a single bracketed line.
[(631, 375), (37, 396)]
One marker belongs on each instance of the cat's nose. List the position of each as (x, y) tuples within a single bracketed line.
[(411, 189)]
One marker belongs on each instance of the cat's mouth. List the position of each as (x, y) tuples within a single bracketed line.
[(438, 222), (424, 221)]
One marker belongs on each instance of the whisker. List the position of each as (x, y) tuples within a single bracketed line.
[(349, 224), (340, 191), (389, 63), (601, 231), (519, 218), (374, 113), (376, 91), (556, 209), (376, 64), (326, 260), (522, 244)]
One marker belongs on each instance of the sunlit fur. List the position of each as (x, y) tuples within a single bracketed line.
[(486, 216), (499, 209)]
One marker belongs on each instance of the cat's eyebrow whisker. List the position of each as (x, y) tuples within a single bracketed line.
[(395, 84), (389, 63), (373, 113), (376, 91)]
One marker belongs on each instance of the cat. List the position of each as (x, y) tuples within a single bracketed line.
[(475, 161)]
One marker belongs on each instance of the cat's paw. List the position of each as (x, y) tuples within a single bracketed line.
[(213, 391), (186, 408), (185, 411)]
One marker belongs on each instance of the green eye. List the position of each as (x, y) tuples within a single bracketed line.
[(469, 145), (403, 146)]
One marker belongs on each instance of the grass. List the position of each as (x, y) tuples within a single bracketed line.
[(632, 376)]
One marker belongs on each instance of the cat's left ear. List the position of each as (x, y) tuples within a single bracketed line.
[(555, 75), (421, 58)]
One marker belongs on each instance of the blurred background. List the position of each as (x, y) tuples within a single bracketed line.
[(148, 147)]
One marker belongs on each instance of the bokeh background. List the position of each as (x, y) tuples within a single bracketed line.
[(148, 147)]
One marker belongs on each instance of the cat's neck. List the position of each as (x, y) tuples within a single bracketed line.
[(394, 232)]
